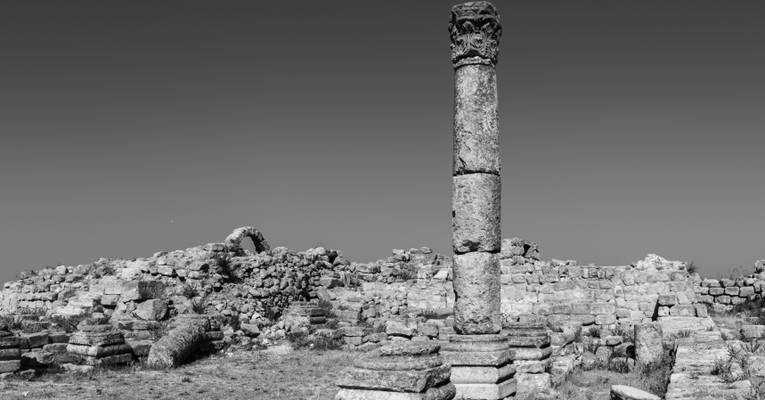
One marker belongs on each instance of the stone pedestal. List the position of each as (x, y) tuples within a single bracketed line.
[(97, 342), (398, 371), (10, 353), (482, 366), (530, 350)]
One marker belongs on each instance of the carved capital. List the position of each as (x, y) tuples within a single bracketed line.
[(475, 30)]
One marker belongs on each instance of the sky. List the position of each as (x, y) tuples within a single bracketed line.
[(130, 127)]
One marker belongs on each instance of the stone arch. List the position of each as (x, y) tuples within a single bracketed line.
[(234, 240)]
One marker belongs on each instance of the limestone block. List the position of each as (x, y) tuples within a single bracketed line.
[(443, 392), (477, 358), (731, 291), (667, 300), (623, 392), (9, 341), (38, 339), (485, 391), (477, 293), (37, 359), (753, 331), (529, 384), (531, 366), (151, 310), (746, 291), (530, 353), (10, 354), (648, 343), (98, 351), (117, 359), (10, 366), (476, 213), (97, 339), (481, 374), (476, 135), (398, 363), (394, 380), (141, 290)]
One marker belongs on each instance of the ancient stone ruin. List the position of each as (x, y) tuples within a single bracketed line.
[(492, 321)]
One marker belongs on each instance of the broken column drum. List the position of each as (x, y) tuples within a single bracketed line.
[(475, 30)]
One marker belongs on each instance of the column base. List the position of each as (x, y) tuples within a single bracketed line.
[(482, 367)]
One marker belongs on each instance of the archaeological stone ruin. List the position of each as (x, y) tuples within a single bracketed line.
[(493, 320)]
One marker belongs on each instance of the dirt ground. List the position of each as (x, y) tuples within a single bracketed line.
[(278, 373)]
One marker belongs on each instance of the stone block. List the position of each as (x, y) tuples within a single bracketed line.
[(477, 290), (731, 291), (479, 374), (443, 392), (683, 310), (141, 290), (753, 331), (10, 354), (9, 342), (31, 340), (530, 353), (531, 366), (476, 137), (530, 384), (98, 351), (623, 392), (716, 291), (96, 339), (667, 300), (648, 343), (476, 213), (477, 358), (10, 366), (701, 310), (746, 291), (398, 363), (485, 391), (394, 380)]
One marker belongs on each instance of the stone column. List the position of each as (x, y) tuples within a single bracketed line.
[(475, 31), (480, 356)]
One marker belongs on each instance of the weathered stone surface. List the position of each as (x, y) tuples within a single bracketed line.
[(476, 213), (476, 134), (9, 342), (234, 240), (406, 348), (477, 293), (529, 384), (529, 341), (753, 331), (98, 351), (151, 310), (97, 339), (374, 362), (443, 392), (37, 339), (10, 366), (478, 374), (179, 344), (394, 380), (479, 358), (138, 290), (36, 359), (485, 391), (623, 392), (648, 343), (683, 386), (10, 354), (117, 359), (530, 353)]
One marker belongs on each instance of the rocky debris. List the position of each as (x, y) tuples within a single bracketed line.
[(623, 392), (10, 353), (97, 342), (402, 370), (187, 335)]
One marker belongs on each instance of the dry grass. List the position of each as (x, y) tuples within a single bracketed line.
[(298, 374)]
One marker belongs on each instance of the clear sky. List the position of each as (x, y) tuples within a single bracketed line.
[(132, 127)]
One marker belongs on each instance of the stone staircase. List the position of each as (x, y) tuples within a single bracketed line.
[(692, 377)]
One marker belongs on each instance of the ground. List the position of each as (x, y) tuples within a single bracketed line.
[(278, 373)]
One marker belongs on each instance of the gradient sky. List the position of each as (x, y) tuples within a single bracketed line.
[(132, 127)]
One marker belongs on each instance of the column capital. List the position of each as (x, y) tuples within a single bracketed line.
[(475, 30)]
